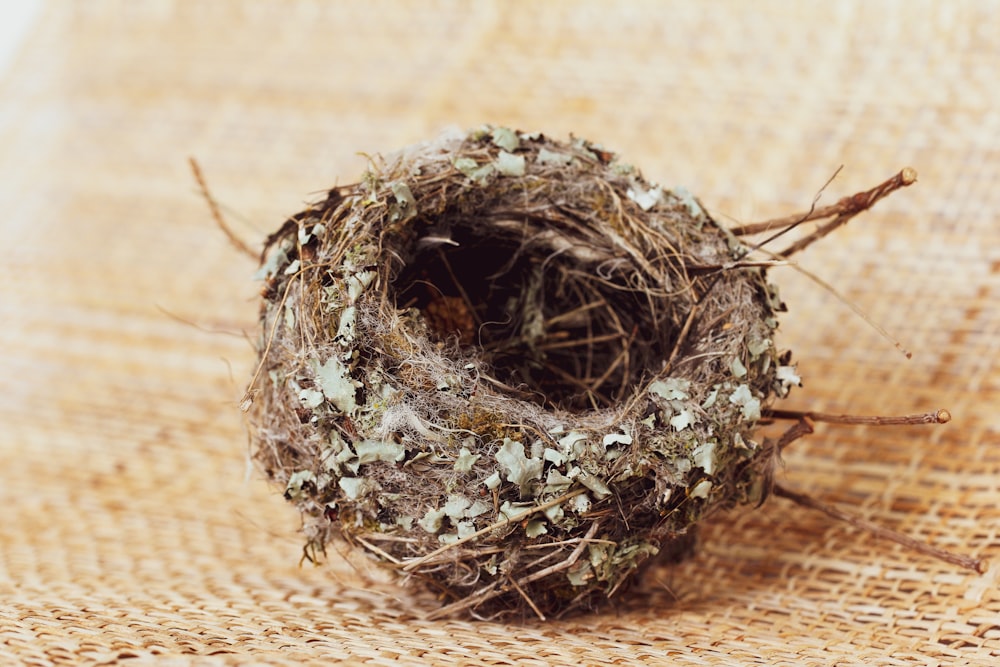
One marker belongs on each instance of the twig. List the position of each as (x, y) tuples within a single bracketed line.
[(801, 219), (493, 590), (682, 336), (937, 417), (527, 598), (852, 205), (801, 428), (562, 565), (248, 397), (467, 602), (854, 307), (213, 206), (974, 564), (413, 564)]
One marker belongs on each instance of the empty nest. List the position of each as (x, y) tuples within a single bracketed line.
[(512, 369)]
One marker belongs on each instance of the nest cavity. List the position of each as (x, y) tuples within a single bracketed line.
[(512, 369)]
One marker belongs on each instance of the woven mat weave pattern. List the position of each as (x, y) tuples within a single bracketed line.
[(132, 527)]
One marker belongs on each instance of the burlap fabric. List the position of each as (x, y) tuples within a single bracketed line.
[(131, 527)]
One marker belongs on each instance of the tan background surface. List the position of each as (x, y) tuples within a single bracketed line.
[(130, 527)]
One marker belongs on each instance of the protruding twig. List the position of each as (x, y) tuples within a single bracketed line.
[(527, 598), (851, 206), (854, 307), (213, 206), (937, 417), (967, 562), (843, 211), (801, 428), (808, 215)]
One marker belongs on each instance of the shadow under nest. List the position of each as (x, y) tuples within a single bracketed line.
[(513, 370)]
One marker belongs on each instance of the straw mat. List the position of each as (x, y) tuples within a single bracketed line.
[(131, 526)]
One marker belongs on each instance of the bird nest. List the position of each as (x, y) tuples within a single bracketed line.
[(514, 370)]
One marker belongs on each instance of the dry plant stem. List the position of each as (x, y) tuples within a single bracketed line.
[(413, 564), (527, 599), (850, 304), (493, 590), (843, 210), (213, 206), (854, 205), (801, 428), (975, 564), (936, 417)]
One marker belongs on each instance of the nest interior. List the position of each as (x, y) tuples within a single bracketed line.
[(512, 369)]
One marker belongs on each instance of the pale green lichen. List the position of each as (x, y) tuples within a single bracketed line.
[(369, 451), (298, 480), (517, 467), (593, 482), (749, 404), (432, 520), (623, 438), (535, 528), (505, 138), (672, 389), (553, 158), (682, 420), (645, 197), (704, 457), (701, 489), (758, 347), (472, 169), (353, 487), (405, 206), (466, 460), (339, 388), (509, 164)]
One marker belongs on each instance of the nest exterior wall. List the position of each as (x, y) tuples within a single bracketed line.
[(384, 417)]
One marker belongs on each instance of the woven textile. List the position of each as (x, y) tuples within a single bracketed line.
[(132, 527)]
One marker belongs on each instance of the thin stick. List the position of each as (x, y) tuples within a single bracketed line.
[(577, 342), (729, 266), (213, 206), (577, 382), (801, 428), (937, 417), (854, 205), (967, 562), (845, 210), (527, 598), (201, 327), (248, 397), (466, 603), (413, 564), (752, 228), (570, 560), (376, 550), (684, 333), (802, 218), (857, 203), (857, 310), (495, 589)]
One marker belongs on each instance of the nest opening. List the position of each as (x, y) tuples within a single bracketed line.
[(551, 329)]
